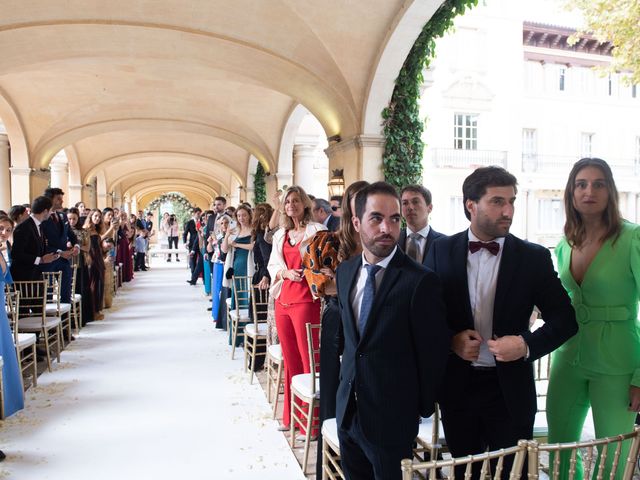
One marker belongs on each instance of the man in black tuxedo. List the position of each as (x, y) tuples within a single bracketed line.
[(190, 237), (219, 204), (417, 238), (28, 252), (59, 238), (322, 213), (395, 343), (491, 281)]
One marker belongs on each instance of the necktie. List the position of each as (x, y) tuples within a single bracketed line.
[(493, 247), (413, 247), (368, 295)]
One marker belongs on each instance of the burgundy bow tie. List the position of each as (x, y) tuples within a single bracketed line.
[(493, 247)]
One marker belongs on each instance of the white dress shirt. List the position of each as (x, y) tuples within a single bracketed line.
[(358, 292), (422, 240), (482, 277)]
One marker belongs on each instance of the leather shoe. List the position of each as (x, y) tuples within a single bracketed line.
[(190, 282), (2, 456)]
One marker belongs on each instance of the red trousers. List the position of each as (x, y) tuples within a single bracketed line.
[(291, 323)]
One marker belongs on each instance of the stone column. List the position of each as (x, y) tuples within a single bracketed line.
[(284, 179), (74, 195), (59, 167), (5, 173), (360, 157), (20, 185), (304, 157), (234, 193)]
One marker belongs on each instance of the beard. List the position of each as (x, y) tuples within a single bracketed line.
[(377, 249), (494, 229)]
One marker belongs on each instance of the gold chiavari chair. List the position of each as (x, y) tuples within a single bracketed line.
[(498, 457), (275, 368), (54, 306), (255, 333), (33, 317), (242, 294), (430, 441), (331, 467), (76, 300), (25, 343), (602, 457), (305, 395)]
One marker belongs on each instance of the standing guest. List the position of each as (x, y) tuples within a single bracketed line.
[(18, 213), (261, 248), (93, 224), (599, 265), (238, 246), (83, 213), (83, 261), (322, 214), (12, 392), (336, 205), (190, 238), (325, 252), (195, 256), (206, 259), (219, 204), (172, 235), (28, 252), (416, 239), (219, 292), (108, 250), (123, 255), (110, 224), (231, 211), (492, 280), (6, 235), (140, 249), (294, 304), (395, 343), (163, 237), (59, 238)]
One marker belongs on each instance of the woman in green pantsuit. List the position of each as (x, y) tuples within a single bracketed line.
[(599, 266)]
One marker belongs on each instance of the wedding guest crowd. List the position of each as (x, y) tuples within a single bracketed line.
[(411, 316)]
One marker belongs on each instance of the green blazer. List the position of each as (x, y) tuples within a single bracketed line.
[(606, 305)]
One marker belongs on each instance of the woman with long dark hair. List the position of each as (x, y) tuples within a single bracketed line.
[(82, 261), (123, 247), (599, 266), (93, 224)]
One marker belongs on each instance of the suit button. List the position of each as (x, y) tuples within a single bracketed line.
[(361, 355)]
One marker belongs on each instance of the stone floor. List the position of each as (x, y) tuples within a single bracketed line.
[(148, 393)]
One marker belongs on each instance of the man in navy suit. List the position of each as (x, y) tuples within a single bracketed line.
[(395, 343), (417, 238), (322, 213), (491, 281), (59, 238)]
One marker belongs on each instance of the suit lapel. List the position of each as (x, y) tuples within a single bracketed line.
[(506, 271), (430, 239), (402, 240), (388, 280), (351, 276), (459, 261)]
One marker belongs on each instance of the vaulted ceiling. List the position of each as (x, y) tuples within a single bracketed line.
[(150, 90)]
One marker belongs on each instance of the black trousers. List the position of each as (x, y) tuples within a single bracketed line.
[(330, 350), (140, 261), (362, 460), (481, 421)]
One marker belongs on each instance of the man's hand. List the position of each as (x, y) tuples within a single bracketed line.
[(634, 399), (508, 348), (263, 284), (66, 254), (466, 345), (49, 257)]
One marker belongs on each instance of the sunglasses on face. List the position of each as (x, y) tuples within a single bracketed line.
[(334, 208)]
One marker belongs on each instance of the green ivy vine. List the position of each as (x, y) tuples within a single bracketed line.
[(259, 185), (402, 159)]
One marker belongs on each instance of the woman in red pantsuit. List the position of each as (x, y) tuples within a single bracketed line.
[(294, 304)]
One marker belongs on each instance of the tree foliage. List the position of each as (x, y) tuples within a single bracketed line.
[(402, 159), (618, 22)]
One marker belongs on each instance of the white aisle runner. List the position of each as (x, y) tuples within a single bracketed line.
[(148, 393)]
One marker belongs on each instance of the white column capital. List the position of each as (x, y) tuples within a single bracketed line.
[(4, 140), (21, 171)]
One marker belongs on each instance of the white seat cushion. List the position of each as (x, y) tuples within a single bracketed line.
[(228, 301), (26, 340), (330, 434), (34, 324), (250, 329), (275, 351), (244, 315), (52, 308), (425, 431), (301, 384), (77, 297)]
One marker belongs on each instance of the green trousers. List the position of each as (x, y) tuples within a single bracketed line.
[(572, 390)]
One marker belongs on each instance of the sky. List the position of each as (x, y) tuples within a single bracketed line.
[(551, 12)]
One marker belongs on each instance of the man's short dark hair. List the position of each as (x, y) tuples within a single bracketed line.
[(322, 204), (40, 204), (220, 199), (426, 194), (107, 210), (52, 192), (476, 184), (196, 210), (376, 188), (336, 198)]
